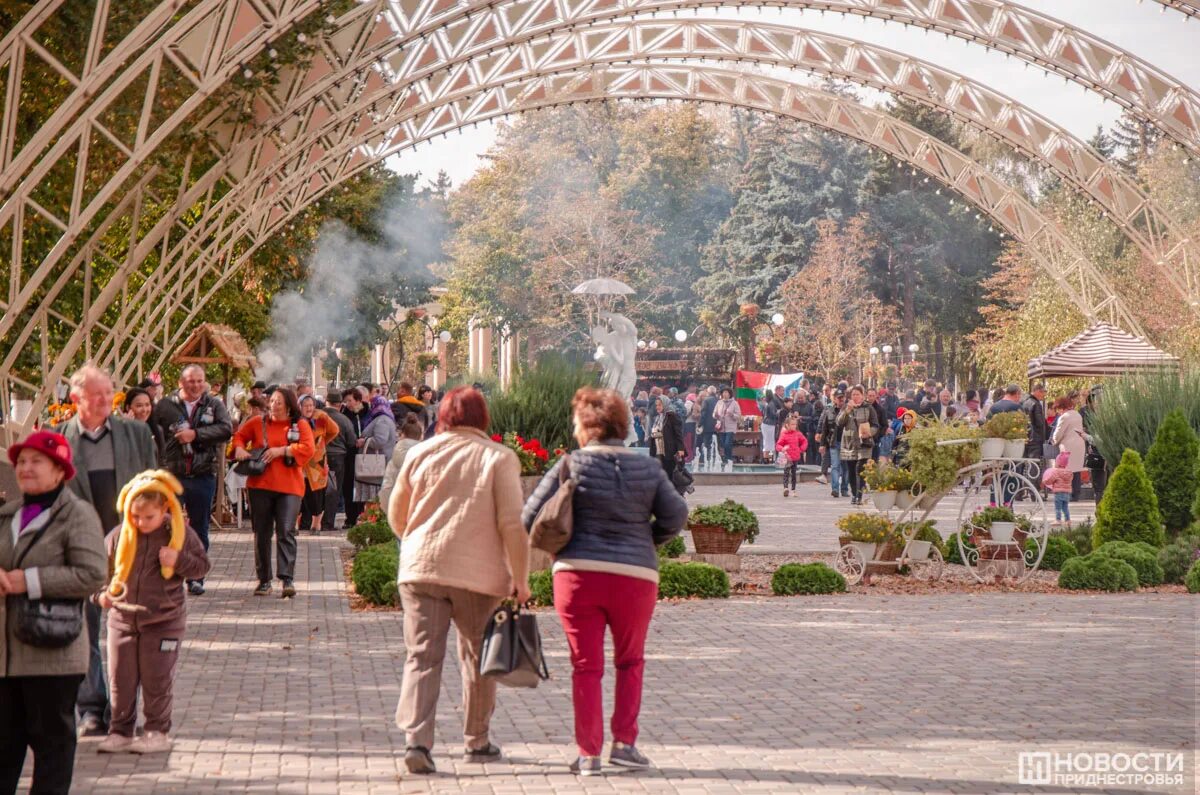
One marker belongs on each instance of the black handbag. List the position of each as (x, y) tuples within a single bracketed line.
[(254, 465), (45, 623), (512, 649), (682, 480)]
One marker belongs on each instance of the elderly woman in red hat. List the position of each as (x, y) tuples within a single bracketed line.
[(51, 556)]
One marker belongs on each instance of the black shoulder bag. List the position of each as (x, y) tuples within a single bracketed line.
[(45, 623), (512, 649), (254, 465)]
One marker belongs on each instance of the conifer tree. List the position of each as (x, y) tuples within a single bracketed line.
[(1171, 466), (1129, 509)]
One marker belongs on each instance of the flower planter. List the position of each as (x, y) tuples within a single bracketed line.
[(991, 448), (1002, 532), (1014, 448), (713, 540), (884, 500), (919, 550), (866, 549), (905, 500)]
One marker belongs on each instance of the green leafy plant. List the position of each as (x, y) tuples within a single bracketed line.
[(1142, 556), (1130, 410), (1171, 467), (368, 534), (1097, 573), (1011, 425), (865, 527), (1192, 578), (681, 580), (673, 548), (879, 477), (806, 578), (1078, 534), (731, 516), (538, 404), (1178, 556), (541, 588), (935, 467), (952, 554), (982, 520), (374, 573), (902, 478), (1129, 509), (926, 531), (1058, 551)]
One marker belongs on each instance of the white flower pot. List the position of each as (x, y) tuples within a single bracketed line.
[(905, 500), (1014, 448), (919, 550), (884, 500), (991, 448), (866, 549), (1002, 532)]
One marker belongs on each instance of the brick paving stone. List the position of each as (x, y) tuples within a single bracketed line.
[(748, 695)]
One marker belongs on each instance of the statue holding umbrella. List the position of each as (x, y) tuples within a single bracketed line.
[(614, 334)]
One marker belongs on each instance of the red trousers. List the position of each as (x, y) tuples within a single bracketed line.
[(587, 602)]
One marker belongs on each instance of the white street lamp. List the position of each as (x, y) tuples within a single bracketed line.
[(887, 349), (912, 349), (681, 336), (641, 345), (444, 336), (653, 345), (777, 319), (874, 351)]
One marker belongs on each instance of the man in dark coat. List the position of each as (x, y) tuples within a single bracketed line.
[(355, 410), (708, 424), (1034, 407)]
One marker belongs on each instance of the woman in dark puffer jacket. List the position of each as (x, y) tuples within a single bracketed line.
[(607, 574)]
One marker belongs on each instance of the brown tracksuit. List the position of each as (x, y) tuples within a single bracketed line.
[(143, 647)]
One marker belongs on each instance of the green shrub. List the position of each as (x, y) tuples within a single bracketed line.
[(1178, 556), (541, 588), (1171, 467), (936, 467), (1078, 534), (794, 578), (952, 555), (538, 404), (1097, 573), (1058, 551), (368, 534), (1129, 510), (1129, 412), (926, 532), (692, 579), (374, 573), (1192, 579), (730, 515), (1143, 557), (673, 548)]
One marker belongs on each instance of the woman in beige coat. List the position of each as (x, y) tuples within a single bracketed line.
[(456, 506), (51, 547), (1070, 438)]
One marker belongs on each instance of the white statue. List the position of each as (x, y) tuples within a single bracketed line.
[(616, 341)]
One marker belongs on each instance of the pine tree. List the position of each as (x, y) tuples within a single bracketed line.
[(1171, 466), (1129, 509), (1135, 138)]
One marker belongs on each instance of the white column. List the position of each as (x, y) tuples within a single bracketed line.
[(485, 351), (472, 348)]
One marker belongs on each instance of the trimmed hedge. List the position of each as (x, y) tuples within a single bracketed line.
[(374, 573), (681, 580), (368, 534), (1192, 579), (1097, 573), (1143, 557), (1058, 551), (806, 578), (673, 548), (1128, 511), (1178, 556), (541, 588), (1171, 467)]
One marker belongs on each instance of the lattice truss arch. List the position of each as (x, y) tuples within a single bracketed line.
[(213, 38), (290, 192)]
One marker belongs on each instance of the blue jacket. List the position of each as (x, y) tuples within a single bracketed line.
[(624, 505)]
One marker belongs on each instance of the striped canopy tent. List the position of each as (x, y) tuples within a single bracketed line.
[(1101, 349)]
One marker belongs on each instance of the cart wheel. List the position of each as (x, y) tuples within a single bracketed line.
[(930, 569), (850, 564)]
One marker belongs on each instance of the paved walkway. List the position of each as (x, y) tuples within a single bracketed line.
[(804, 522), (827, 694)]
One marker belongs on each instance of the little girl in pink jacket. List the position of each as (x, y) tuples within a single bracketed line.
[(1057, 480)]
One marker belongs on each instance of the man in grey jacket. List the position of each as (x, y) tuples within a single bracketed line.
[(108, 451)]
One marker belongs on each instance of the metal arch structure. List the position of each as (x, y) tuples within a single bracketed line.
[(209, 41), (1189, 8), (1153, 230), (281, 195)]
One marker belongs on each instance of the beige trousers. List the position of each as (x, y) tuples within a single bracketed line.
[(428, 611)]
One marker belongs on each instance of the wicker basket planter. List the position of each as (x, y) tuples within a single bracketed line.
[(714, 540)]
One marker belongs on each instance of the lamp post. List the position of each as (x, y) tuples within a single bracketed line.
[(912, 349)]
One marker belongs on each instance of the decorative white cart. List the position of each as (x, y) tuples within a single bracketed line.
[(922, 558)]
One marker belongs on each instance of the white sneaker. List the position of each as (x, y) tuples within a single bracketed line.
[(151, 743), (824, 481), (115, 744)]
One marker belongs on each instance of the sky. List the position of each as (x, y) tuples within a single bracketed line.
[(1145, 28)]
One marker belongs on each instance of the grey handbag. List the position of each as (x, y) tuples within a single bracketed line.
[(45, 623), (512, 649)]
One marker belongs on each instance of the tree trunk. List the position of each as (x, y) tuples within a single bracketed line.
[(908, 320), (938, 361)]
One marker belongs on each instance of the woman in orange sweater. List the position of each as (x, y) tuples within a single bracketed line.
[(275, 494)]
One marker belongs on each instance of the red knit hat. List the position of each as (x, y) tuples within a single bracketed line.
[(52, 445)]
